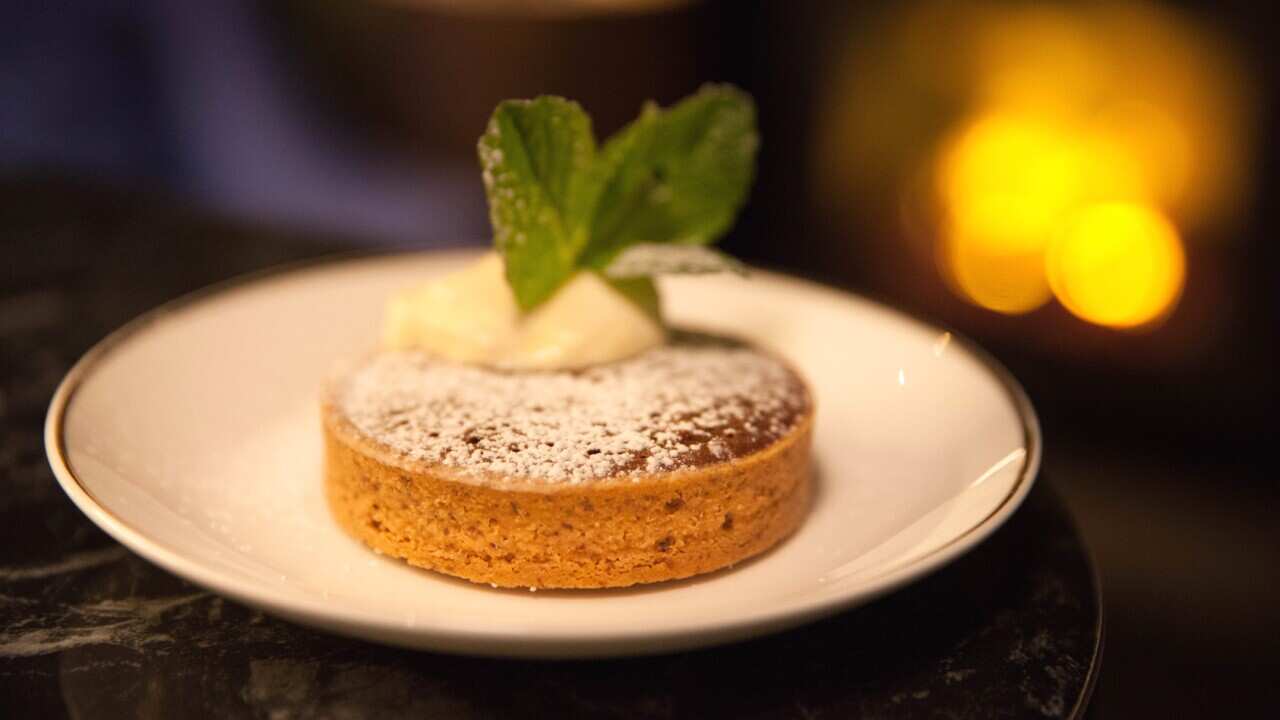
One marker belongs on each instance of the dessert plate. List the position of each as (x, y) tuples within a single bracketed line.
[(192, 435)]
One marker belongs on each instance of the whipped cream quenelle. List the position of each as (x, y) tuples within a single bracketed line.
[(471, 317)]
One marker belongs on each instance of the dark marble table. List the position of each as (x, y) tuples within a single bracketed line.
[(89, 630)]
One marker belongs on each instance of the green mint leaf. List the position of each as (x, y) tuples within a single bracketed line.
[(649, 259), (538, 160), (677, 175), (642, 292)]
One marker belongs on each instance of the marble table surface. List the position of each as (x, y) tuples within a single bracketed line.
[(89, 630)]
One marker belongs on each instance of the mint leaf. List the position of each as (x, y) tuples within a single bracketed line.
[(673, 177), (648, 259), (642, 292), (538, 158), (678, 175)]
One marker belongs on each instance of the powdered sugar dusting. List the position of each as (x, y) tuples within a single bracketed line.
[(678, 405)]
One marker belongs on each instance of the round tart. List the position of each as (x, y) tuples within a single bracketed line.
[(686, 459)]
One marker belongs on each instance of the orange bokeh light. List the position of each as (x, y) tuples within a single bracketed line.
[(1117, 264), (1071, 146), (1023, 116), (1006, 182)]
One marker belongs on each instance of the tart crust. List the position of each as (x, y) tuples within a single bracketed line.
[(612, 532)]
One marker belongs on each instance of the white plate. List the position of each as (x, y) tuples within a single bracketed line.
[(192, 436)]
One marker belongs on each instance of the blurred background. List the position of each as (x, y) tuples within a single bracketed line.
[(1084, 188)]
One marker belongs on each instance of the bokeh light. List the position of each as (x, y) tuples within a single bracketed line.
[(1117, 264), (1029, 116), (1038, 189), (1006, 182), (995, 277)]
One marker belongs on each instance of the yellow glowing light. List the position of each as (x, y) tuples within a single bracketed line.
[(1020, 120), (1005, 180), (1006, 183), (1139, 78), (1009, 178), (1117, 264), (1006, 282)]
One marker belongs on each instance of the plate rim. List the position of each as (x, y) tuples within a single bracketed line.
[(503, 643)]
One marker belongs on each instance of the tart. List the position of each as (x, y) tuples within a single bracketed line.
[(530, 421), (685, 459)]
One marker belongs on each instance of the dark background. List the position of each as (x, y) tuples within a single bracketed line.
[(358, 120)]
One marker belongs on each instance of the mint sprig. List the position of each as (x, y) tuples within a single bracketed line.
[(537, 157), (558, 204)]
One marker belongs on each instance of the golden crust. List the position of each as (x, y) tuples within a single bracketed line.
[(613, 533)]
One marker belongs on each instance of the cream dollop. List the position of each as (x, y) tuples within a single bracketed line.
[(471, 316)]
